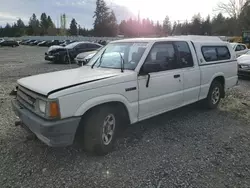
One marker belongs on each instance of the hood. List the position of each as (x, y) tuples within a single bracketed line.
[(55, 47), (85, 54), (45, 84), (244, 59)]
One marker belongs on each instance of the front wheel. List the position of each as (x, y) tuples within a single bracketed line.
[(99, 129), (214, 95)]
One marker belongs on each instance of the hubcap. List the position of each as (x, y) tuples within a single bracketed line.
[(108, 129), (215, 95)]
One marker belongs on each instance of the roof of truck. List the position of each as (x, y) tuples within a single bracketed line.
[(194, 38)]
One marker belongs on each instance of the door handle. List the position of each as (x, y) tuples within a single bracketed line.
[(177, 76)]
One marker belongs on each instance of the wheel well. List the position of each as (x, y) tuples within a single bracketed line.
[(221, 80), (119, 105)]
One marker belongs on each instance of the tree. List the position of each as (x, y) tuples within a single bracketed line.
[(44, 24), (206, 26), (20, 28), (102, 17), (167, 27), (218, 25), (73, 27), (113, 26), (196, 26), (244, 17), (233, 7), (33, 27), (50, 23)]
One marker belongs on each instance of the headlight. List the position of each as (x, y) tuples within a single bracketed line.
[(48, 108), (42, 106)]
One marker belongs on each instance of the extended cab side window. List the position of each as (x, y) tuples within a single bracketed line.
[(162, 57), (185, 54)]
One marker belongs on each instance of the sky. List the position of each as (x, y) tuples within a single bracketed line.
[(83, 10)]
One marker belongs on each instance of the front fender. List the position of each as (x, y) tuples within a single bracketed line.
[(132, 108)]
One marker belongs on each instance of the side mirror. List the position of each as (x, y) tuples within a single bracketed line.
[(149, 67)]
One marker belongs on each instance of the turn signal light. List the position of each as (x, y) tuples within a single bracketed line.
[(54, 110)]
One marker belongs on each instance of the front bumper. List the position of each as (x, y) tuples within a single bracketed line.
[(244, 72), (53, 133), (49, 57)]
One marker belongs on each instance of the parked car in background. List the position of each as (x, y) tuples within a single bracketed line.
[(1, 39), (127, 81), (35, 43), (11, 43), (67, 54), (244, 65), (53, 42), (43, 43), (239, 49), (29, 42), (67, 42), (83, 58), (24, 41)]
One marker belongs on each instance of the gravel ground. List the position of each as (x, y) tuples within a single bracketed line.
[(188, 147)]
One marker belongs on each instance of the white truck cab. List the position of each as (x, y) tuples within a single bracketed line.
[(125, 82)]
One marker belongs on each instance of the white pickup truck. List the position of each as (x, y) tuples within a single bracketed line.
[(125, 82)]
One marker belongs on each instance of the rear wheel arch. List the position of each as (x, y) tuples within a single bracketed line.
[(221, 80)]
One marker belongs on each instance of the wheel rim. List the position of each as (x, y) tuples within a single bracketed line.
[(108, 129), (216, 95)]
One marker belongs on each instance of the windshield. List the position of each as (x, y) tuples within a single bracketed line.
[(115, 54)]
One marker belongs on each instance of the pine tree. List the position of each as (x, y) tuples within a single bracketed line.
[(44, 23), (33, 27), (113, 27), (73, 27), (101, 16), (167, 27)]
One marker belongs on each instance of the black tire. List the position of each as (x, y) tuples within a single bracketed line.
[(214, 95), (90, 133)]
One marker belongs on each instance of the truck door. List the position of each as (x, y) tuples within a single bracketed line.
[(191, 71), (161, 88)]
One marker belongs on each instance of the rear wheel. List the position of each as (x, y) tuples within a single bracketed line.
[(214, 95), (98, 130)]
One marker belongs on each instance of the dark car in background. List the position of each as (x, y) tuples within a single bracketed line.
[(67, 42), (11, 43), (43, 43), (35, 43), (53, 42), (29, 42), (67, 54)]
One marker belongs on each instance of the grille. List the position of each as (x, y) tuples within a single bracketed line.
[(25, 99)]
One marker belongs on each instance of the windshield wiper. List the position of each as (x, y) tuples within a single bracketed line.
[(122, 62), (100, 59)]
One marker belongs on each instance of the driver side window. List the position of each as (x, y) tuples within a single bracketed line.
[(162, 57)]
